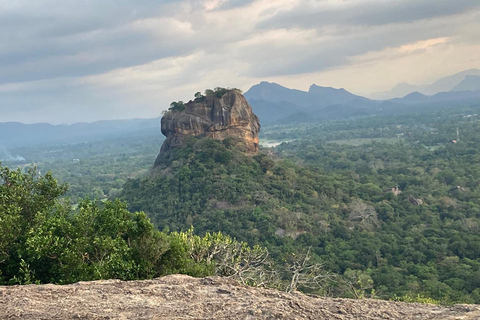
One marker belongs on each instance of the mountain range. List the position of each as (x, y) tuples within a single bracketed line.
[(461, 81), (273, 104), (15, 134)]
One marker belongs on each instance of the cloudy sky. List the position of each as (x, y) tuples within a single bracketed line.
[(64, 61)]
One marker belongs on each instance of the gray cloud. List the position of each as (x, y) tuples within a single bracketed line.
[(356, 29), (334, 51), (103, 59), (376, 12), (86, 37), (231, 4)]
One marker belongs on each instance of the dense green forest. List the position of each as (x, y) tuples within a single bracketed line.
[(96, 169), (43, 240), (392, 200), (384, 207)]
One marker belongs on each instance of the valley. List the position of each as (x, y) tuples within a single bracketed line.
[(225, 159), (341, 189)]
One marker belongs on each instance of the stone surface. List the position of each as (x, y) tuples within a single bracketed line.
[(184, 297), (415, 201), (217, 118)]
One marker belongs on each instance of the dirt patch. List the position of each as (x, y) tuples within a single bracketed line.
[(184, 297)]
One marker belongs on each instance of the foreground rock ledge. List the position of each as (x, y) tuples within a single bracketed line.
[(184, 297)]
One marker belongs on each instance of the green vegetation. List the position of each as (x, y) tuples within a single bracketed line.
[(362, 141), (320, 210), (218, 91), (177, 106), (336, 198), (43, 241), (96, 170)]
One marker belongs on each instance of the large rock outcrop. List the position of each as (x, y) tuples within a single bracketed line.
[(219, 118), (184, 297)]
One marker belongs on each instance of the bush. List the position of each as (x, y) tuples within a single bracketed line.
[(42, 240)]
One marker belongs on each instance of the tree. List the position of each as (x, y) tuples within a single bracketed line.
[(357, 282), (177, 106), (230, 258), (23, 196), (304, 274), (43, 240)]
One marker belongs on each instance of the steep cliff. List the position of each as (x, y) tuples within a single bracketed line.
[(215, 116)]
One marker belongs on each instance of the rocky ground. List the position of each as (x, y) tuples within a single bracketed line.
[(184, 297)]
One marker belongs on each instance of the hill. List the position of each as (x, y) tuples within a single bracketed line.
[(221, 114), (275, 103), (15, 134), (391, 200), (449, 83), (184, 297), (470, 83)]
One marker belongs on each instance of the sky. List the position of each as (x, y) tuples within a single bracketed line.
[(66, 61)]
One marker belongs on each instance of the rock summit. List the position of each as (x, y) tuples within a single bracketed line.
[(220, 114)]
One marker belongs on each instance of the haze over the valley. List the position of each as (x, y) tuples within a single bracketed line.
[(66, 62)]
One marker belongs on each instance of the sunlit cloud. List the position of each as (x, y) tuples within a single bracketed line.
[(422, 44), (212, 4)]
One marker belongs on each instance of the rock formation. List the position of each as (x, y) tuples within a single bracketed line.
[(415, 201), (215, 116), (184, 297)]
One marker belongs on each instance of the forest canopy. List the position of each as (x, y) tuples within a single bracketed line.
[(42, 240), (387, 206), (392, 201)]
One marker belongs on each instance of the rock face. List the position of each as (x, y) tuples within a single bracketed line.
[(184, 297), (219, 118), (415, 201)]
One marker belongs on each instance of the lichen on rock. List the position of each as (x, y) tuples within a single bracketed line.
[(212, 116)]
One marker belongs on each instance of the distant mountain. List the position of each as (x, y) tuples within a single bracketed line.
[(470, 83), (442, 85), (327, 96), (457, 96), (399, 91), (15, 134), (271, 112), (273, 102), (417, 102), (273, 92), (412, 98)]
